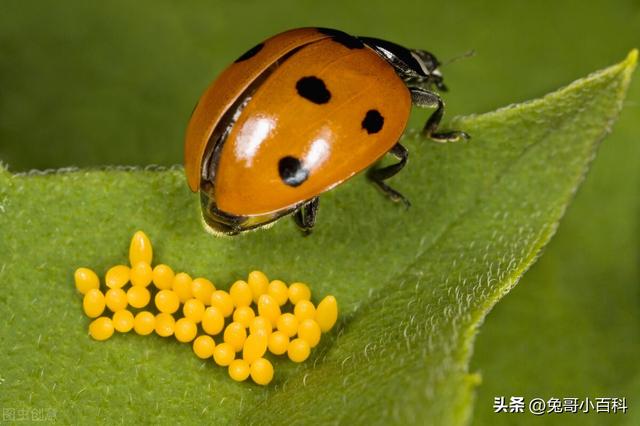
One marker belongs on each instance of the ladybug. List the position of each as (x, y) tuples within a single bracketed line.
[(297, 115)]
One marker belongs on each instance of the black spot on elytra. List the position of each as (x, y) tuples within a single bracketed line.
[(291, 171), (313, 89), (373, 121), (251, 52), (348, 41)]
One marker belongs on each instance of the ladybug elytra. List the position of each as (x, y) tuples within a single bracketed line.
[(297, 115)]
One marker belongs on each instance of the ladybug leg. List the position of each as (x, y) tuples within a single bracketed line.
[(305, 217), (427, 99), (378, 176)]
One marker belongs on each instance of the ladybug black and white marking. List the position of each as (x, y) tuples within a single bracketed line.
[(300, 113)]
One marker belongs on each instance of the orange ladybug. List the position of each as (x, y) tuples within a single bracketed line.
[(297, 115)]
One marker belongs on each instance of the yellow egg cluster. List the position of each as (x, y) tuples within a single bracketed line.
[(247, 321)]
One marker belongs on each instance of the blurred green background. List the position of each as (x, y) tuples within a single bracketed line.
[(113, 83)]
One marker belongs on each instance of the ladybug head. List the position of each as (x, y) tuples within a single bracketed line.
[(428, 62), (432, 66), (429, 65)]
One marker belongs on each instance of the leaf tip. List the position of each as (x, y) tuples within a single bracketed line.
[(627, 67), (632, 58)]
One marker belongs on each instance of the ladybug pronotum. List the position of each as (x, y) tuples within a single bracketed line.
[(297, 115)]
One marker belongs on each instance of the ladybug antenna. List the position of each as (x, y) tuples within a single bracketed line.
[(467, 54)]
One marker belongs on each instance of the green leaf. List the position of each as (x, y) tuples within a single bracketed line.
[(413, 286)]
